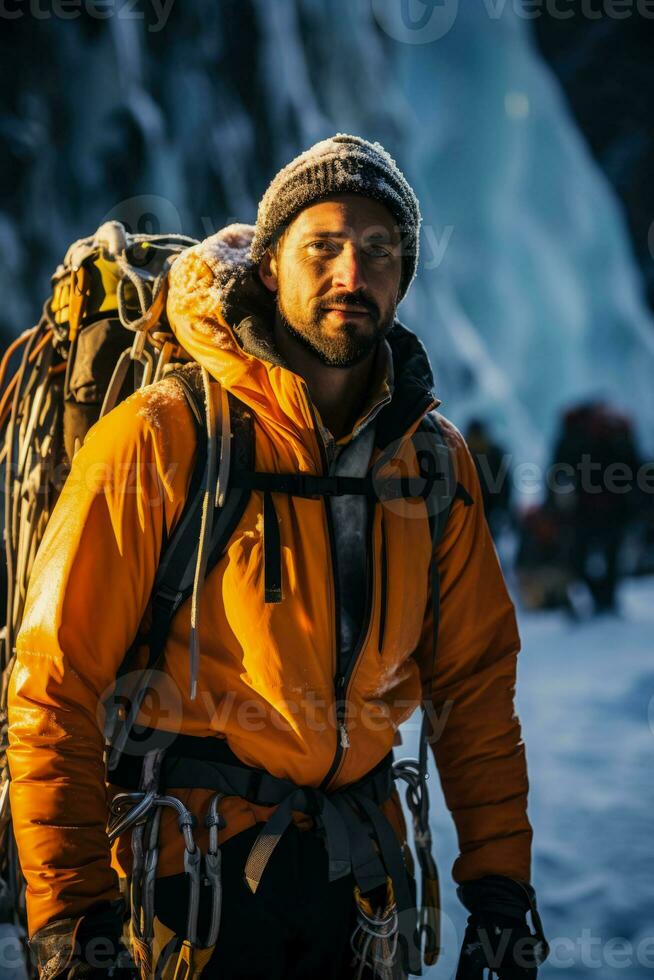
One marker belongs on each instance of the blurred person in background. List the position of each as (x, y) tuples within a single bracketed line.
[(491, 462), (596, 495)]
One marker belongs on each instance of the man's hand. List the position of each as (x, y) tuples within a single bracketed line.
[(497, 936), (88, 948)]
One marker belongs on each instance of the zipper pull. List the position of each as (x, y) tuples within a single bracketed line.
[(345, 738), (340, 712)]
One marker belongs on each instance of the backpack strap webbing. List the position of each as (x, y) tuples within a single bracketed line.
[(439, 506), (374, 485)]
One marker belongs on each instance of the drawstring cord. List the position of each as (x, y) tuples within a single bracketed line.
[(225, 449), (206, 528)]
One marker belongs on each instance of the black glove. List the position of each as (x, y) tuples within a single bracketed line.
[(86, 948), (497, 936)]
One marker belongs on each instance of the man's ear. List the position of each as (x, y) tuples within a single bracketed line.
[(268, 271)]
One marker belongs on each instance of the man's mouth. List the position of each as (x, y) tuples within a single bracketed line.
[(346, 311)]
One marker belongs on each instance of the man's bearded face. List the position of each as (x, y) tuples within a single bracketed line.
[(338, 269)]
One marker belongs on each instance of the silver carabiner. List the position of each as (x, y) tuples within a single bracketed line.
[(149, 877), (212, 865), (185, 819), (139, 806), (192, 860), (214, 821)]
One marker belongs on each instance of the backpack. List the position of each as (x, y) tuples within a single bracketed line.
[(105, 316), (102, 333)]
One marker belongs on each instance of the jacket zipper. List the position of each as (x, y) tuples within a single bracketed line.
[(342, 735), (343, 678)]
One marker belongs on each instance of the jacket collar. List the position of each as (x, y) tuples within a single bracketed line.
[(413, 393)]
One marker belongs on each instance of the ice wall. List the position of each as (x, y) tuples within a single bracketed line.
[(529, 291), (528, 297)]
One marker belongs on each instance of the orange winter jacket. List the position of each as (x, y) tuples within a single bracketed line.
[(266, 674)]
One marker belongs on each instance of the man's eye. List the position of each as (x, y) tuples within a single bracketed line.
[(378, 251), (321, 246)]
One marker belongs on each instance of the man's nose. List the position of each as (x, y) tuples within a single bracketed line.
[(347, 271)]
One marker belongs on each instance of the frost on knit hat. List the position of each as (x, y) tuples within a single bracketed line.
[(339, 165)]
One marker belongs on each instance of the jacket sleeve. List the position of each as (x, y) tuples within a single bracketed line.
[(87, 594), (476, 741)]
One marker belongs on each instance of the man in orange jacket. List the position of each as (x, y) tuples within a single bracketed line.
[(309, 659)]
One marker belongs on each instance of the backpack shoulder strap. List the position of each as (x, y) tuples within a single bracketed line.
[(174, 579), (439, 507), (439, 513)]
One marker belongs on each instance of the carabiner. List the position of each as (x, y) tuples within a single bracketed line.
[(212, 865)]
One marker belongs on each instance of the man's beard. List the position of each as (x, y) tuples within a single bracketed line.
[(349, 346)]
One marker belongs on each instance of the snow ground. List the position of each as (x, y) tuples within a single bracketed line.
[(586, 704)]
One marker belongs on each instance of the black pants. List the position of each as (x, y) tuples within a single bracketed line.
[(604, 544), (297, 926)]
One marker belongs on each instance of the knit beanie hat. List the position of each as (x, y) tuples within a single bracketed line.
[(339, 165)]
